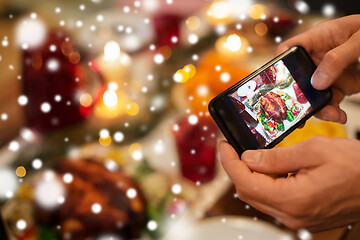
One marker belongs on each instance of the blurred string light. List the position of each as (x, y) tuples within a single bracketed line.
[(7, 176), (232, 45), (261, 29), (301, 6), (184, 74), (30, 32), (20, 171), (49, 192), (193, 23), (111, 51), (257, 11)]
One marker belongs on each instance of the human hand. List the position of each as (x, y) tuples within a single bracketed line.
[(324, 193), (334, 46)]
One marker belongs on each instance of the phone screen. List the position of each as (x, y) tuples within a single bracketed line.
[(270, 103)]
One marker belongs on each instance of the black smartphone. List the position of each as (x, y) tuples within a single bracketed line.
[(266, 106)]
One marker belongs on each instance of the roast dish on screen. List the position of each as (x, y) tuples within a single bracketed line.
[(270, 103)]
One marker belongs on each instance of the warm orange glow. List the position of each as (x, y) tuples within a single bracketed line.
[(181, 76), (105, 141), (134, 147), (74, 57), (193, 23), (20, 171), (190, 70), (257, 11), (132, 109), (261, 29), (85, 100)]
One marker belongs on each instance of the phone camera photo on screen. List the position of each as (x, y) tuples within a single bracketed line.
[(260, 110), (270, 103)]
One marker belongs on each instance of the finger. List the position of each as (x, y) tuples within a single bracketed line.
[(251, 185), (302, 39), (281, 160), (335, 62), (333, 114), (301, 126)]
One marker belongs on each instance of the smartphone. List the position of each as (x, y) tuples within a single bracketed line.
[(266, 106)]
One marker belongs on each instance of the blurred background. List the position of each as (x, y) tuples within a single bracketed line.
[(104, 127)]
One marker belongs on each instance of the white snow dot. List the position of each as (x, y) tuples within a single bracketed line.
[(217, 68), (100, 18), (126, 9), (68, 177), (37, 163), (176, 127), (193, 38), (195, 57), (225, 77), (152, 225), (21, 224), (82, 7), (249, 49), (53, 65), (176, 189), (96, 208), (302, 6), (45, 107), (57, 10), (118, 136), (304, 234), (4, 116), (278, 39), (5, 43), (169, 2), (137, 155), (104, 133), (193, 119), (328, 10), (137, 3), (79, 23), (14, 146), (158, 58), (276, 19), (27, 134), (52, 48), (22, 100), (174, 39), (223, 220), (57, 98), (131, 193), (238, 26)]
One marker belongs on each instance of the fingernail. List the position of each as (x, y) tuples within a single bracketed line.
[(320, 78), (254, 157)]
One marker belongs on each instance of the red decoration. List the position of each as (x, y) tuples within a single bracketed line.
[(167, 26), (52, 70), (196, 145), (280, 23)]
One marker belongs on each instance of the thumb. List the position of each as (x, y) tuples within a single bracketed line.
[(280, 160), (335, 62)]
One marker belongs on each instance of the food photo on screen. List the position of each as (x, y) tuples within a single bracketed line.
[(270, 103)]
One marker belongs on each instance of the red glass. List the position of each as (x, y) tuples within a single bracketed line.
[(196, 145), (43, 81)]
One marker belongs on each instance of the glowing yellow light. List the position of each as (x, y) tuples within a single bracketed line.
[(193, 23), (134, 147), (132, 109), (190, 70), (20, 171), (261, 29), (233, 42), (257, 11), (233, 47), (105, 141), (110, 98), (85, 100), (181, 76), (111, 51), (219, 10)]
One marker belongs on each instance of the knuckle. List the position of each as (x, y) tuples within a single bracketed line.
[(332, 57), (294, 223)]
